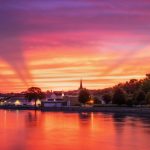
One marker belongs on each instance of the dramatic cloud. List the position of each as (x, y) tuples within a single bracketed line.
[(54, 43)]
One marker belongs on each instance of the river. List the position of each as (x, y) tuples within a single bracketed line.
[(36, 130)]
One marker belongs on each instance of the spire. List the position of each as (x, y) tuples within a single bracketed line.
[(81, 85)]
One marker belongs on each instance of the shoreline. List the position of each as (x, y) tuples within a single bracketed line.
[(76, 109)]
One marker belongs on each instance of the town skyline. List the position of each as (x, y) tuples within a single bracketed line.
[(82, 85)]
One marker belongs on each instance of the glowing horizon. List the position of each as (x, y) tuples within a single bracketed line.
[(53, 44)]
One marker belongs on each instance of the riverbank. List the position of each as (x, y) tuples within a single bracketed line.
[(104, 109), (119, 110), (13, 107)]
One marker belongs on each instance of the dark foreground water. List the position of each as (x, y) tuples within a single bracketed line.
[(30, 130)]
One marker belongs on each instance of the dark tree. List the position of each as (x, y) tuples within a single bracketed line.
[(119, 97), (96, 100), (107, 98), (130, 86), (148, 75), (146, 85), (84, 96), (140, 97), (34, 93), (129, 100), (148, 98)]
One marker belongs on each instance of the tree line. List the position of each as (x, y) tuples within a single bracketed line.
[(133, 92)]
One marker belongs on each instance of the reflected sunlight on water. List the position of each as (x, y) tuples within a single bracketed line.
[(35, 130)]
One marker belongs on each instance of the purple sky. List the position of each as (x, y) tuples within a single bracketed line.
[(72, 27)]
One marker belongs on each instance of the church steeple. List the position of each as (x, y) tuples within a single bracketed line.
[(81, 85)]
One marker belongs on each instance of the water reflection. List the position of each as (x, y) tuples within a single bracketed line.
[(85, 115), (35, 130), (119, 118), (31, 119), (119, 125), (119, 121)]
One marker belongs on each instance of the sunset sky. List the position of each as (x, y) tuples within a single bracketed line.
[(52, 44)]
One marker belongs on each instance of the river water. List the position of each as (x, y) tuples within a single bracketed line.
[(35, 130)]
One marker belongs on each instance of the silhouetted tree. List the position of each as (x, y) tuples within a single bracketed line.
[(119, 96), (130, 86), (96, 100), (34, 93), (129, 100), (148, 98), (140, 97), (148, 76), (84, 96), (107, 98), (146, 85)]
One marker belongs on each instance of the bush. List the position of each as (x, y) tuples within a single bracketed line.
[(146, 85), (129, 103), (84, 96), (107, 98), (140, 97), (148, 98), (119, 97)]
